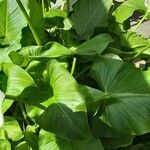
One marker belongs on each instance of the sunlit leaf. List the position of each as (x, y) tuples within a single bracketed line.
[(51, 141), (66, 116), (11, 22)]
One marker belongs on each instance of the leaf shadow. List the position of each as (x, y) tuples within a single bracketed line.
[(64, 122)]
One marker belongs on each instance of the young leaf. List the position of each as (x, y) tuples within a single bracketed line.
[(127, 8), (136, 42), (66, 115), (6, 105), (5, 145), (55, 13), (18, 79), (12, 129), (88, 15), (127, 106)]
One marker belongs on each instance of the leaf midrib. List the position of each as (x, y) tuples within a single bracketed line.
[(84, 29), (130, 95)]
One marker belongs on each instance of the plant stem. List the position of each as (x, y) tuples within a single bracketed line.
[(43, 7), (49, 5), (10, 97), (140, 22), (73, 65), (118, 52), (23, 110), (35, 34), (63, 5), (139, 53), (68, 6)]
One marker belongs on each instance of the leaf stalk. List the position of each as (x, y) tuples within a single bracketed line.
[(33, 30)]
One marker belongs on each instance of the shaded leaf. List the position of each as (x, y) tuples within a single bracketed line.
[(23, 146), (95, 46), (136, 42), (36, 16), (115, 143), (31, 139), (93, 98), (88, 15), (127, 105), (50, 141)]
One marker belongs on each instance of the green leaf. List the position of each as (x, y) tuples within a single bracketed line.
[(12, 129), (55, 13), (11, 22), (36, 16), (54, 49), (115, 143), (95, 46), (66, 115), (93, 97), (23, 146), (127, 8), (110, 138), (16, 58), (50, 141), (6, 105), (50, 50), (136, 42), (2, 133), (88, 15), (5, 145), (4, 54), (31, 139), (127, 105), (102, 130), (35, 95), (18, 79)]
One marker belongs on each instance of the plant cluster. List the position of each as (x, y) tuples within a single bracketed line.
[(74, 75)]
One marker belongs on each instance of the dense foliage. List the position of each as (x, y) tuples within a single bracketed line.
[(74, 75)]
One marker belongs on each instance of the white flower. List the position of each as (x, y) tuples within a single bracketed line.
[(147, 4), (2, 96)]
